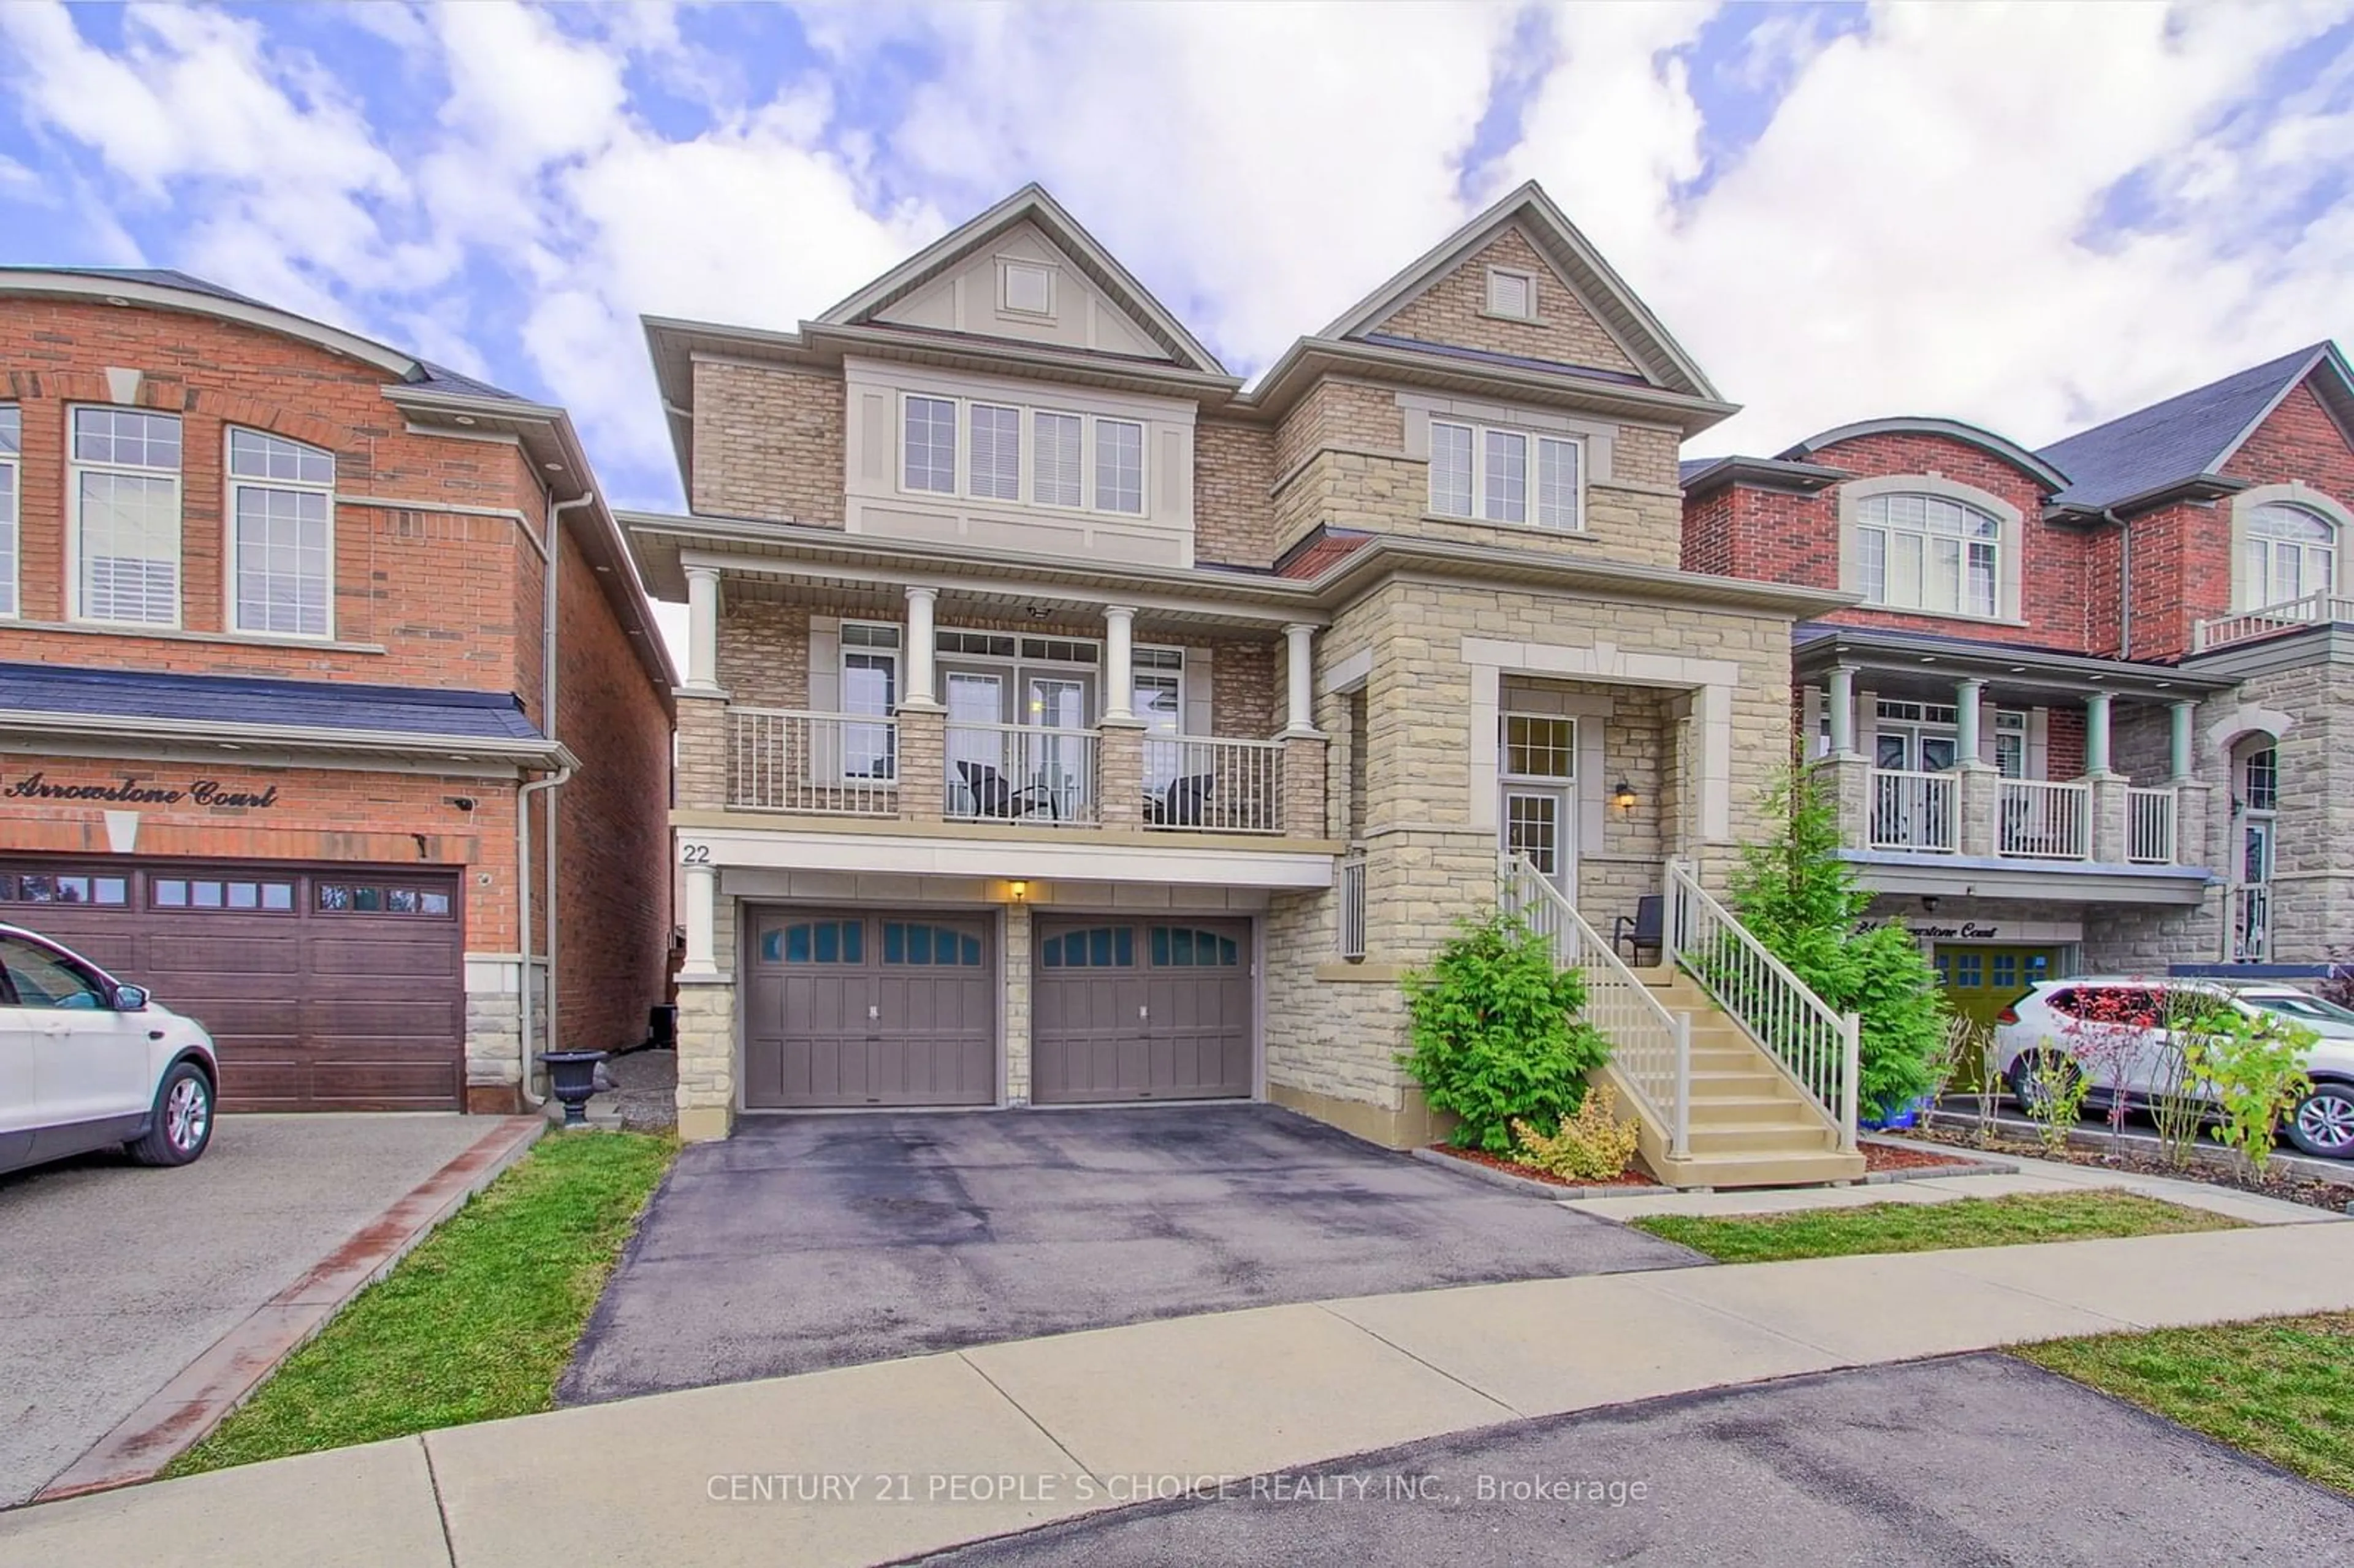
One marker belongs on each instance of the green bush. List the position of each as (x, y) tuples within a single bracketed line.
[(2254, 1068), (1801, 900), (1495, 1034)]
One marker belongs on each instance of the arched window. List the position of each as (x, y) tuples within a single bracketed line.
[(281, 538), (2288, 552), (1928, 553)]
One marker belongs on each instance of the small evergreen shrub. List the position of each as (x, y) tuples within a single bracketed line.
[(1591, 1146), (1495, 1035), (1802, 901)]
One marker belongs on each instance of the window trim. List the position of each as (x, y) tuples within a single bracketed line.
[(75, 467), (956, 437), (1532, 462), (2303, 496), (1528, 280), (2009, 542), (12, 459), (1026, 455), (232, 549)]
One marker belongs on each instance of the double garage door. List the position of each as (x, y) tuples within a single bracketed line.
[(324, 987), (847, 1008)]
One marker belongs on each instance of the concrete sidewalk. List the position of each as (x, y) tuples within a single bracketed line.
[(1003, 1437)]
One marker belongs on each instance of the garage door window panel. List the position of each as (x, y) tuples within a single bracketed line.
[(1102, 946), (815, 942), (1182, 947), (44, 887), (938, 946), (367, 898)]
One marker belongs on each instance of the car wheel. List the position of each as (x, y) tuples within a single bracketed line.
[(182, 1123), (2322, 1122), (2025, 1092)]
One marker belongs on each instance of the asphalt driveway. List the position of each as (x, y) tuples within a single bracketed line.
[(1964, 1463), (115, 1276), (810, 1242)]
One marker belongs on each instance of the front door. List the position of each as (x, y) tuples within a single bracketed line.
[(2253, 899), (1058, 760), (1980, 981), (1536, 824)]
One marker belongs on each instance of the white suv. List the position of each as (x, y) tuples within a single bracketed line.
[(2077, 1016), (87, 1061)]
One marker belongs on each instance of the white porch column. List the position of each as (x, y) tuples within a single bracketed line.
[(1840, 695), (1299, 704), (922, 646), (702, 630), (1119, 661), (702, 896), (2096, 733), (1967, 697), (2179, 742)]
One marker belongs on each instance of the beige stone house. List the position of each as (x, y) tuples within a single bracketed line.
[(1068, 723)]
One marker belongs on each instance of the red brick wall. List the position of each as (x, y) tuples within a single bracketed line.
[(612, 823)]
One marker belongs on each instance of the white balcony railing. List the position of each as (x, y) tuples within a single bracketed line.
[(1012, 772), (1352, 908), (2315, 608), (1649, 1046), (2149, 826), (831, 764), (1915, 810), (1213, 785), (2036, 820), (1816, 1047)]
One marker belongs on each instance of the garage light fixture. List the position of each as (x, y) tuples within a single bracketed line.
[(1017, 891)]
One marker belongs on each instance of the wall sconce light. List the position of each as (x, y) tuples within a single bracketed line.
[(1928, 903), (1018, 891), (1623, 796)]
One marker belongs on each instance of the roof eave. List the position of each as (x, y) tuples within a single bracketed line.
[(1286, 378), (1764, 473), (535, 753), (1835, 643)]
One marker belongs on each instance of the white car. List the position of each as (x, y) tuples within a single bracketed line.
[(87, 1061), (2083, 1016)]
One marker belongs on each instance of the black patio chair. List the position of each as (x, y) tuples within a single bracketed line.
[(1640, 929), (1183, 804), (994, 796)]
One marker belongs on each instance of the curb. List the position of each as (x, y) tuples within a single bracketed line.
[(177, 1416), (2336, 1172), (1530, 1184)]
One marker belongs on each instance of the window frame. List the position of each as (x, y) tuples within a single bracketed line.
[(12, 466), (233, 547), (76, 467), (2245, 599), (893, 657), (1533, 443), (1995, 542), (1027, 446)]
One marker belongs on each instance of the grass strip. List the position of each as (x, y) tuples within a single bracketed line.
[(1931, 1228), (475, 1324), (2276, 1388)]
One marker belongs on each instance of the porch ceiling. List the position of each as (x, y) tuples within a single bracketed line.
[(1923, 667), (980, 608)]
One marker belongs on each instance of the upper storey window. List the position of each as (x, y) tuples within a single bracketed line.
[(2288, 552), (12, 444), (1504, 476), (282, 531), (1928, 553), (1004, 452), (125, 537)]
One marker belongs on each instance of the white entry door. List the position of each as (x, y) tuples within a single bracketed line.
[(1537, 824)]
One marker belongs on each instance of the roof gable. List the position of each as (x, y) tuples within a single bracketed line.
[(2193, 434), (1585, 309), (1094, 303)]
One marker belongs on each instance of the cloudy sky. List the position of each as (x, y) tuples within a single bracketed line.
[(2032, 217)]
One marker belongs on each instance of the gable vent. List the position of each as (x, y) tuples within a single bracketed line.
[(1512, 294)]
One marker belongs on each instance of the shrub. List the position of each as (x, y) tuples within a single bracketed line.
[(1495, 1035), (1591, 1146), (1801, 900), (2056, 1088), (2255, 1069)]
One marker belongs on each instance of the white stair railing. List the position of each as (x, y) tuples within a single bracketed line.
[(1650, 1046), (1816, 1046)]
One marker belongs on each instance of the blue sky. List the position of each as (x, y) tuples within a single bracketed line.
[(2032, 217)]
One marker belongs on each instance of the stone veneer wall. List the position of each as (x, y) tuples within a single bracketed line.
[(768, 443), (707, 1059)]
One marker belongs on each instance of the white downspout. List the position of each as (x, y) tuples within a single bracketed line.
[(523, 809)]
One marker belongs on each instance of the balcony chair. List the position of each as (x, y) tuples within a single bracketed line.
[(994, 796), (1640, 929), (1183, 804)]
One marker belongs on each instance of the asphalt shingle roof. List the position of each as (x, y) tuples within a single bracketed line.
[(232, 699), (2173, 441)]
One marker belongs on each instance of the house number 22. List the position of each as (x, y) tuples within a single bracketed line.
[(695, 855)]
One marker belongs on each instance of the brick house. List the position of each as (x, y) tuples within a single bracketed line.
[(1066, 722), (2090, 712), (297, 633)]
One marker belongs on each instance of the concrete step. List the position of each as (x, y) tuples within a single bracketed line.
[(1738, 1171), (1778, 1137)]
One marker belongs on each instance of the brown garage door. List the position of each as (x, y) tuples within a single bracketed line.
[(325, 987), (851, 1009), (1141, 1011)]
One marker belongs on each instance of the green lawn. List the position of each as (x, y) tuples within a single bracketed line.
[(2278, 1388), (1930, 1227), (476, 1323)]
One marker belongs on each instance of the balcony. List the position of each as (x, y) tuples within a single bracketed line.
[(2035, 820), (915, 767), (2318, 608)]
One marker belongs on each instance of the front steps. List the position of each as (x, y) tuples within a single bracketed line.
[(1750, 1126)]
